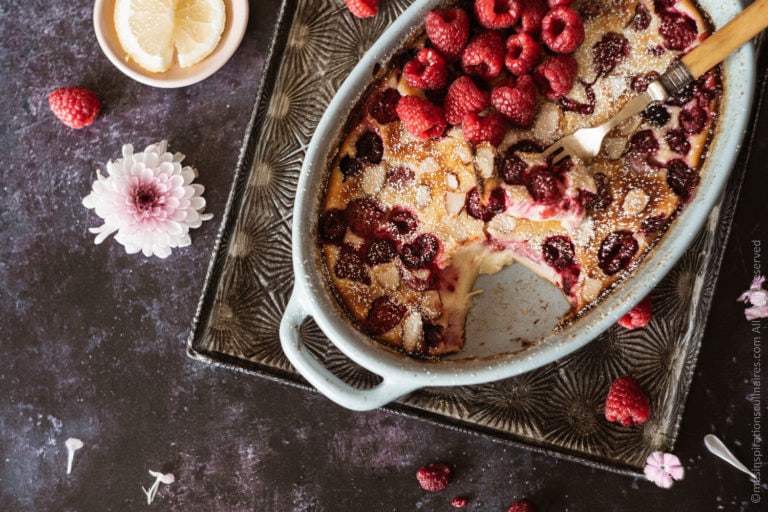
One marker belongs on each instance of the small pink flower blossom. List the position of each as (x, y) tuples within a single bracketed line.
[(756, 298), (148, 201), (663, 469)]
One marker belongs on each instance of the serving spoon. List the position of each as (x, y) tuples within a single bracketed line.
[(586, 142)]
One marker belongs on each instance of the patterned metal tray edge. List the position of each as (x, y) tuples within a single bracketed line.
[(505, 411)]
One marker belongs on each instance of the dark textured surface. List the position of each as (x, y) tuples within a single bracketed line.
[(93, 338)]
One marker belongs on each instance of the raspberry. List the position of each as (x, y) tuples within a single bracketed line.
[(692, 118), (515, 99), (421, 252), (434, 477), (681, 178), (522, 506), (459, 502), (656, 114), (380, 251), (609, 52), (641, 20), (490, 128), (523, 53), (562, 30), (350, 167), (401, 222), (350, 265), (426, 71), (421, 118), (641, 150), (463, 97), (531, 15), (497, 203), (626, 402), (640, 83), (384, 315), (603, 196), (554, 3), (558, 251), (363, 216), (496, 14), (332, 227), (369, 148), (383, 104), (616, 252), (363, 8), (76, 107), (543, 186), (653, 224), (448, 30), (677, 141), (484, 55), (556, 76), (638, 316), (400, 176), (678, 30)]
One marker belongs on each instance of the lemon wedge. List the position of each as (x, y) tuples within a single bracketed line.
[(151, 31), (199, 25)]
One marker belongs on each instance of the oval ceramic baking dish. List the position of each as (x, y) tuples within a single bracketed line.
[(481, 360)]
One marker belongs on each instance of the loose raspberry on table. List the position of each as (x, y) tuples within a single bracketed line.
[(562, 29), (490, 128), (421, 118), (363, 8), (459, 502), (627, 403), (522, 506), (523, 54), (532, 13), (464, 97), (638, 316), (76, 107), (515, 99), (495, 14), (434, 477), (448, 30), (556, 76), (484, 55), (427, 70)]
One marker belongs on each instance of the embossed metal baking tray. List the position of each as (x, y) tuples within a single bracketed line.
[(556, 409)]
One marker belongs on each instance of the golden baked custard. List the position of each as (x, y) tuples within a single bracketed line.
[(439, 176)]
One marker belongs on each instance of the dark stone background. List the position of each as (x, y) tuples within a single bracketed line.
[(92, 339)]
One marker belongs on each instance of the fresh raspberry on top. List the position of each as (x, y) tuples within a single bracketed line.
[(421, 118), (554, 3), (522, 506), (523, 53), (363, 8), (496, 14), (464, 97), (556, 76), (484, 55), (638, 316), (448, 30), (434, 477), (76, 107), (490, 128), (426, 71), (627, 403), (515, 99), (562, 30), (532, 13)]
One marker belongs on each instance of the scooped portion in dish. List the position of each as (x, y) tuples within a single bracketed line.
[(439, 175)]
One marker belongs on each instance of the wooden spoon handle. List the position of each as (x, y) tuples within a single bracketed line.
[(713, 50)]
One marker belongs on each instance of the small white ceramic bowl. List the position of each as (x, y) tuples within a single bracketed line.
[(483, 358), (176, 76)]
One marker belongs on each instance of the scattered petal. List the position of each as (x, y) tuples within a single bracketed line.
[(663, 469), (148, 201), (757, 298)]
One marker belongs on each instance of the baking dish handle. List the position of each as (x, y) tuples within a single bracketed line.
[(321, 378)]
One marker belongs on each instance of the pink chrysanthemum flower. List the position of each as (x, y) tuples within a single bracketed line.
[(663, 469), (757, 298), (148, 201)]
